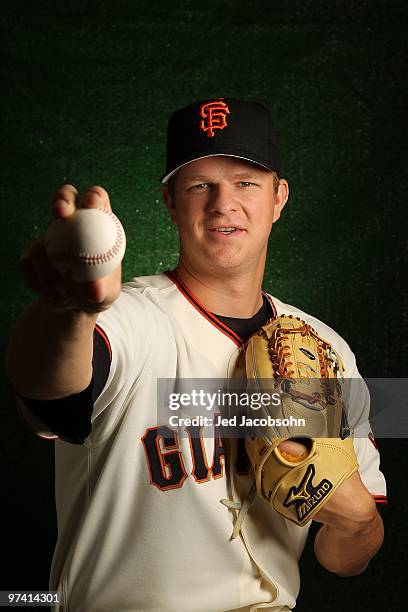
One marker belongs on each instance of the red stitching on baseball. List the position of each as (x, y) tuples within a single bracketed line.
[(110, 253)]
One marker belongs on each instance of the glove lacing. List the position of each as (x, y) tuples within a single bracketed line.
[(242, 508)]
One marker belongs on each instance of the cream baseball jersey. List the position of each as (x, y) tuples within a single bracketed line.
[(140, 523)]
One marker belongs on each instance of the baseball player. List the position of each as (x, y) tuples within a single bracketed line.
[(140, 523)]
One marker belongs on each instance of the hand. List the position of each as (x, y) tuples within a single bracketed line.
[(351, 508), (60, 293)]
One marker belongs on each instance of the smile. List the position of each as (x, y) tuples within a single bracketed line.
[(225, 231)]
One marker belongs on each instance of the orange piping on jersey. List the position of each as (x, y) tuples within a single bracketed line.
[(105, 338), (380, 499), (227, 331), (202, 310), (373, 440), (268, 297)]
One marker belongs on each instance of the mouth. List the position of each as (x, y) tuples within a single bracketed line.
[(225, 230)]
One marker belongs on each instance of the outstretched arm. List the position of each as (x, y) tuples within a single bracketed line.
[(50, 353)]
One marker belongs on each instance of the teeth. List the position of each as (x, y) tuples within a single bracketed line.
[(226, 229)]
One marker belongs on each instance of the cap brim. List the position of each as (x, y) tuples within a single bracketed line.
[(166, 177)]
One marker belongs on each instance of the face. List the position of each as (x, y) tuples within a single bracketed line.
[(224, 209)]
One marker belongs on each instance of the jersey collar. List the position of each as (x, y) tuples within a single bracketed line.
[(212, 318)]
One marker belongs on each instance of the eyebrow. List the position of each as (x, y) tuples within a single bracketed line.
[(238, 175)]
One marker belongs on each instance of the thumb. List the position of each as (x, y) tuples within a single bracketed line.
[(293, 450)]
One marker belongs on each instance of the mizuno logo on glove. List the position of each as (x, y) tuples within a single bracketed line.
[(307, 496)]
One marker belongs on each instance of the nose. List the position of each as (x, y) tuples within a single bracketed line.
[(222, 199)]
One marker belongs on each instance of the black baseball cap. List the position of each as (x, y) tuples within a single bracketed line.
[(221, 126)]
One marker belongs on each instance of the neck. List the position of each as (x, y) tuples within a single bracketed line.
[(237, 296)]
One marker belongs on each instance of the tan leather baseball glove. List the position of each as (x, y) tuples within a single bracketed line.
[(286, 358)]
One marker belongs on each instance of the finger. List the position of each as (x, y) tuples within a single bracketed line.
[(29, 274), (89, 297), (96, 291), (102, 289), (27, 268), (47, 280), (293, 451), (65, 201), (96, 197), (97, 295)]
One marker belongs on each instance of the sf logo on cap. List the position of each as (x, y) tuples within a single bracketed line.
[(214, 116)]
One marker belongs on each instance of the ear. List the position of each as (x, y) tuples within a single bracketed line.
[(281, 199), (169, 202)]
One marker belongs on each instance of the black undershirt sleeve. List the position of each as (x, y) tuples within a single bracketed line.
[(101, 361), (69, 418)]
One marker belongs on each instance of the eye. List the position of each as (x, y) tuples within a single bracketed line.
[(200, 186), (247, 184)]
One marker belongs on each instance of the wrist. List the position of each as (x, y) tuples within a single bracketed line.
[(366, 524), (352, 526), (64, 312), (351, 509), (348, 553)]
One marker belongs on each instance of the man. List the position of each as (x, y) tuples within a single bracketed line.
[(139, 520)]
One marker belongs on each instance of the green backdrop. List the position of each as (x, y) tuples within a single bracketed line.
[(87, 87)]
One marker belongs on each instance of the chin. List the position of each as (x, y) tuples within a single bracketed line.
[(226, 263)]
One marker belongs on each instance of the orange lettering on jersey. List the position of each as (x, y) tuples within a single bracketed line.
[(164, 459), (214, 117)]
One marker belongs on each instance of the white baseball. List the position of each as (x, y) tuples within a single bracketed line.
[(87, 245)]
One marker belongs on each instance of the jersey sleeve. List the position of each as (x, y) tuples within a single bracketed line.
[(368, 458), (365, 445), (128, 326)]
